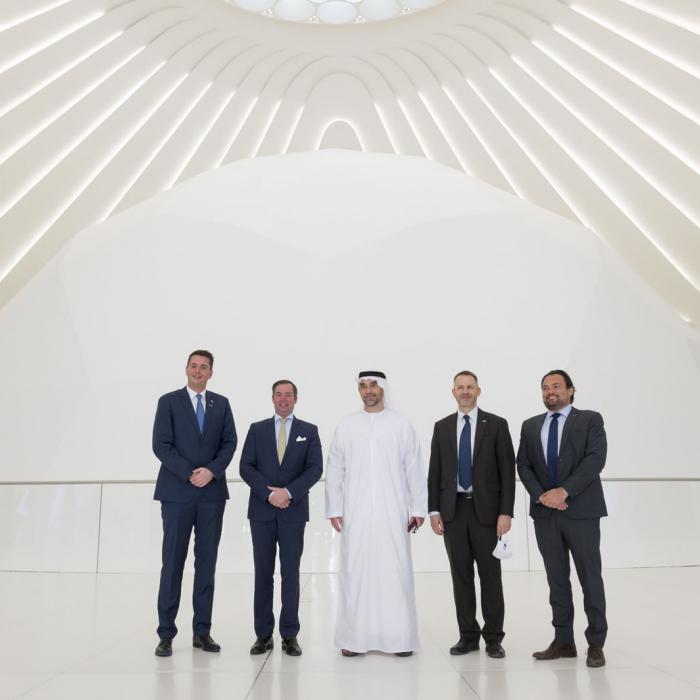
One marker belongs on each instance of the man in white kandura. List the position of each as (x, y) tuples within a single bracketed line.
[(375, 495)]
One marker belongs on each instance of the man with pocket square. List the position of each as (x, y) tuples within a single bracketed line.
[(281, 460)]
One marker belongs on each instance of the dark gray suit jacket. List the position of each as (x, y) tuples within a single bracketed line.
[(581, 459), (493, 474)]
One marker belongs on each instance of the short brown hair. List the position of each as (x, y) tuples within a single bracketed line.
[(284, 381), (467, 373), (202, 353)]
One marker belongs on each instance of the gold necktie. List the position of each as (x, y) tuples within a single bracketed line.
[(282, 439)]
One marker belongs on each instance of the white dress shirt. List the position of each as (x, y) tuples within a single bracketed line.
[(544, 433)]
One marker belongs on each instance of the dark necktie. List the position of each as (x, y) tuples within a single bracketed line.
[(553, 450), (200, 413), (464, 459)]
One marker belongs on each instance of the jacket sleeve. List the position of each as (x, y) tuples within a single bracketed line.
[(335, 476), (593, 460), (164, 442), (257, 481), (526, 469), (506, 469), (313, 468), (434, 473), (229, 440)]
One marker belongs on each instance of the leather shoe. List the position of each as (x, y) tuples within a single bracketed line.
[(261, 645), (165, 647), (495, 650), (205, 642), (347, 652), (291, 646), (595, 657), (464, 646), (403, 654), (556, 650)]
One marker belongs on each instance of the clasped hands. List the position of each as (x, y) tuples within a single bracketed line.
[(200, 477), (278, 497), (554, 498)]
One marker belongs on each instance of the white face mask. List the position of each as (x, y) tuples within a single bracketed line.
[(502, 550)]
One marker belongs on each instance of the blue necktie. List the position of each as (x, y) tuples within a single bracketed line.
[(464, 459), (553, 450), (200, 413)]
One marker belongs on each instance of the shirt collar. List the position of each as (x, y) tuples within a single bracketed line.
[(564, 411), (193, 394), (278, 419), (471, 414)]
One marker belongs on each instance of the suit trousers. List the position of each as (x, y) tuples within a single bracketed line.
[(467, 540), (179, 519), (289, 535), (557, 536)]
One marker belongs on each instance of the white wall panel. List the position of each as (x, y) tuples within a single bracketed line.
[(372, 251), (55, 528), (652, 523), (49, 527)]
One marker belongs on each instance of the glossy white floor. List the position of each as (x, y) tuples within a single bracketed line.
[(86, 636)]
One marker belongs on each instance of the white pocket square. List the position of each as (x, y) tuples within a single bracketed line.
[(301, 439)]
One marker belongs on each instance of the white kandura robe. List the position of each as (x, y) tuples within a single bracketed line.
[(375, 480)]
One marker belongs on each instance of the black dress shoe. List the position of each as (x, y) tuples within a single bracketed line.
[(261, 645), (205, 642), (403, 653), (464, 646), (595, 657), (291, 646), (495, 650), (165, 647), (556, 650)]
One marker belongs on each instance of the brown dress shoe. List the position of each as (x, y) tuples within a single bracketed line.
[(347, 652), (556, 650), (595, 657)]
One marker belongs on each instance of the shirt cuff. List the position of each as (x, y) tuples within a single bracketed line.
[(433, 512)]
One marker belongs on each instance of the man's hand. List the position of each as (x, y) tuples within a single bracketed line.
[(337, 523), (279, 497), (503, 524), (200, 477), (416, 520), (436, 524), (555, 498)]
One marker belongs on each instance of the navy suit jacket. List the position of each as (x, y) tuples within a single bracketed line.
[(582, 454), (301, 468), (181, 448)]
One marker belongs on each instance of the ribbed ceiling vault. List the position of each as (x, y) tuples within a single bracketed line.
[(589, 108)]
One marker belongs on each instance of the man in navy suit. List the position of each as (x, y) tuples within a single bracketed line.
[(281, 461), (194, 437), (561, 455)]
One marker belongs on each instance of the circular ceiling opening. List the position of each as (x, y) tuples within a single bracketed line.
[(333, 11)]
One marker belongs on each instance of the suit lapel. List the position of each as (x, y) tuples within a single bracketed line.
[(568, 427), (481, 422), (452, 437), (189, 410), (293, 434), (537, 437), (211, 404), (271, 437)]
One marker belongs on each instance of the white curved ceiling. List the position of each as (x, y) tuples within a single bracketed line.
[(589, 108)]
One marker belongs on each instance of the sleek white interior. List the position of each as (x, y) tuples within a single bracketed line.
[(504, 186), (303, 266)]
